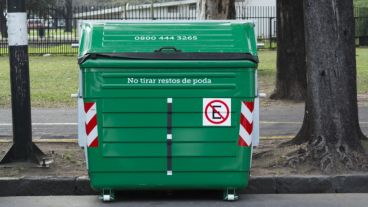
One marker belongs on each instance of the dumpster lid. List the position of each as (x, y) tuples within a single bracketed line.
[(171, 56), (209, 40)]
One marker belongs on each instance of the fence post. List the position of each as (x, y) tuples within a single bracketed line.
[(23, 149), (152, 12), (270, 31), (126, 11)]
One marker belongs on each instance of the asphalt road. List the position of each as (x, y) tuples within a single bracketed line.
[(276, 120), (47, 123), (259, 200)]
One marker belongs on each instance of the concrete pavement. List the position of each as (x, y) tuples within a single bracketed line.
[(276, 120), (259, 200)]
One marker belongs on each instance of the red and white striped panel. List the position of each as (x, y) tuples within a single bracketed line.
[(246, 123), (91, 124)]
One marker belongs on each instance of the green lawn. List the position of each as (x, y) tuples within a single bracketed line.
[(361, 3), (54, 78), (51, 33), (267, 69), (59, 49), (362, 70)]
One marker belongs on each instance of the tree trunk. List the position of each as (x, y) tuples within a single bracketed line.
[(68, 15), (291, 83), (216, 9), (332, 123)]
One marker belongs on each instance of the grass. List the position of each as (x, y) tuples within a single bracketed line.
[(58, 49), (362, 70), (361, 3), (51, 33), (54, 78), (267, 68)]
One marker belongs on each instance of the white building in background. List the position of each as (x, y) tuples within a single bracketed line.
[(260, 2), (263, 12), (168, 10)]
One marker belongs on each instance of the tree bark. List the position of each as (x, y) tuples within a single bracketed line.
[(216, 9), (291, 83), (333, 129)]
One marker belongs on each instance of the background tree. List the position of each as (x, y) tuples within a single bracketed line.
[(216, 9), (63, 9), (333, 132), (3, 28), (291, 83), (37, 6), (68, 15)]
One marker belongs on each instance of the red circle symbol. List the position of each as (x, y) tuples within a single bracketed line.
[(214, 110)]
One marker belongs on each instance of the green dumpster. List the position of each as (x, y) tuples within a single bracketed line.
[(168, 105)]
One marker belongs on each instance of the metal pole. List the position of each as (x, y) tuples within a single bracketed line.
[(270, 31), (23, 148), (126, 10), (152, 11)]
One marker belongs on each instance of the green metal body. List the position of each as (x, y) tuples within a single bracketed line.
[(131, 98)]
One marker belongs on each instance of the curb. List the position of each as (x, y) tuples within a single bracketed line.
[(308, 184), (42, 186)]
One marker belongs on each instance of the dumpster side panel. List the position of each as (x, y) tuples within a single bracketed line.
[(159, 180), (133, 130)]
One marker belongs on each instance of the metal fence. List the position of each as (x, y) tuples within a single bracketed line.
[(361, 25), (53, 30)]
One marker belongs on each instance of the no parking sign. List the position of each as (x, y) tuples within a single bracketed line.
[(216, 112)]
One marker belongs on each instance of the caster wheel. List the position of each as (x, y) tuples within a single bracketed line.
[(230, 195), (107, 195)]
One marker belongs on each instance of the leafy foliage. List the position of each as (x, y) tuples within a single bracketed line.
[(39, 5), (361, 3)]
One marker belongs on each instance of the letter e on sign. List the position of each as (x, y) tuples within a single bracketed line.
[(216, 112)]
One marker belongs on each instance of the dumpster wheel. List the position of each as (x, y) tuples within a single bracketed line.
[(231, 194), (107, 195)]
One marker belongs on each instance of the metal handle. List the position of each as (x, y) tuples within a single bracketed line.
[(262, 95), (169, 48)]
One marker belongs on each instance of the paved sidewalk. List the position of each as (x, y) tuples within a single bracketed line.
[(271, 184), (276, 120), (264, 200)]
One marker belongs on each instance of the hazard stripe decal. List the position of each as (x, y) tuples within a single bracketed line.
[(169, 136), (91, 124), (88, 105), (246, 124)]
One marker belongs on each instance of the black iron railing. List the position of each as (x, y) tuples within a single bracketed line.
[(54, 30)]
